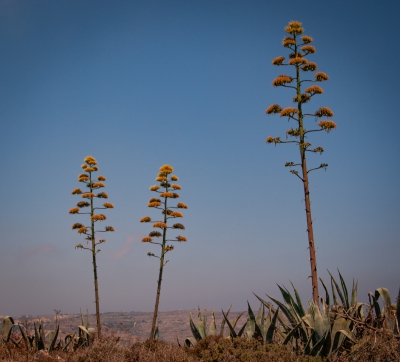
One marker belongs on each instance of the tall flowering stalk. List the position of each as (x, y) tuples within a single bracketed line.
[(166, 190), (89, 232), (300, 49)]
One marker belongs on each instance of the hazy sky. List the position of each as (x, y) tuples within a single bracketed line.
[(138, 84)]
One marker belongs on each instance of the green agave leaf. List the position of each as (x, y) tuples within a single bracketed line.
[(251, 323), (221, 329), (231, 328), (300, 307), (354, 294), (200, 325), (272, 309), (346, 296), (271, 328), (338, 290), (242, 330), (290, 304), (213, 326), (259, 314), (384, 293), (190, 342), (53, 338), (236, 320), (195, 331), (6, 328), (326, 292), (319, 345), (285, 311), (24, 335)]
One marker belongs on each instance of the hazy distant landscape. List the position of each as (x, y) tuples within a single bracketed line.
[(129, 326)]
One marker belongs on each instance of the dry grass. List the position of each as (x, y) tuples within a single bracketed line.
[(372, 347)]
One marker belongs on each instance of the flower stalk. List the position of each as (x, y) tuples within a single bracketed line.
[(89, 166), (298, 44), (165, 191)]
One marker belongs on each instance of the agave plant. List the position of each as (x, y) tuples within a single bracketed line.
[(316, 332), (203, 330)]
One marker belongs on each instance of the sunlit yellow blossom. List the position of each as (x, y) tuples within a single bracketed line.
[(174, 178), (274, 108), (97, 185), (309, 67), (176, 214), (154, 204), (81, 204), (169, 248), (327, 126), (161, 178), (278, 60), (146, 239), (306, 39), (77, 225), (289, 112), (90, 160), (323, 112), (154, 188), (181, 205), (308, 49), (315, 89), (102, 195), (294, 28), (156, 234), (275, 140), (95, 168), (176, 187), (281, 80), (74, 210), (320, 77), (178, 226), (297, 61), (181, 238), (84, 166), (82, 230), (288, 41), (76, 191), (166, 194), (154, 199), (90, 169), (83, 178), (166, 169), (99, 217), (88, 195), (108, 205), (101, 178), (145, 219), (109, 228), (161, 225)]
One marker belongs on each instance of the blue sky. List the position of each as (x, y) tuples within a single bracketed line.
[(144, 83)]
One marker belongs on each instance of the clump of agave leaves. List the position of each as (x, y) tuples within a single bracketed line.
[(42, 340), (330, 330), (260, 327)]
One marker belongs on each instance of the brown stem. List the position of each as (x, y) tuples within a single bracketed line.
[(310, 231), (155, 314), (96, 286)]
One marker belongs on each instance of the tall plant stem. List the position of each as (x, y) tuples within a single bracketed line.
[(155, 314), (310, 231), (96, 286)]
